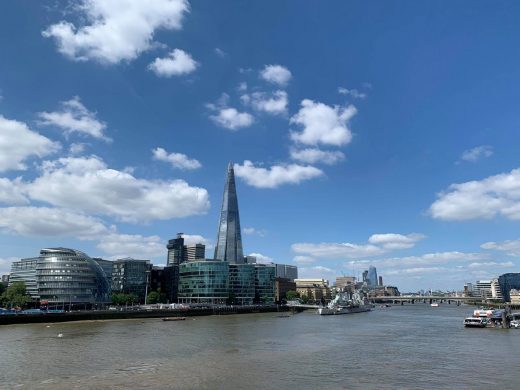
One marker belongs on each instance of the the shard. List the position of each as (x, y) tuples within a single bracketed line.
[(229, 239)]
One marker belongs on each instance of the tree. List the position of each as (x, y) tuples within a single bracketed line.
[(304, 299), (2, 288), (15, 296), (292, 295), (153, 297)]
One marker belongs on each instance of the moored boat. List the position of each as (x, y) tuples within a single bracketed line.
[(345, 304), (475, 322)]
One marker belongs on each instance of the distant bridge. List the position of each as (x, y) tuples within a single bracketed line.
[(425, 298)]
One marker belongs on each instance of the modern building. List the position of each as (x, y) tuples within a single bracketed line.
[(286, 271), (204, 282), (468, 290), (229, 238), (496, 293), (345, 282), (365, 276), (281, 287), (107, 266), (508, 282), (165, 280), (242, 284), (380, 281), (5, 279), (483, 289), (250, 259), (24, 270), (514, 296), (131, 276), (264, 283), (176, 250), (195, 252), (372, 277), (70, 278), (316, 290)]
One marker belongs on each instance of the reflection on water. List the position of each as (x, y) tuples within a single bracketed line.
[(410, 347)]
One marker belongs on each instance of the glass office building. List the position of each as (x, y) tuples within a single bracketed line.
[(131, 276), (372, 277), (24, 270), (508, 282), (229, 238), (264, 283), (242, 284), (70, 278), (203, 282)]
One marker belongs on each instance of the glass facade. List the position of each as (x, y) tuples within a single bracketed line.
[(176, 250), (70, 278), (508, 282), (131, 276), (372, 277), (264, 283), (229, 239), (204, 282), (24, 270), (242, 284)]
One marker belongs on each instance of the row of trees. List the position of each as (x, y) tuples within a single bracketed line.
[(292, 295), (15, 296)]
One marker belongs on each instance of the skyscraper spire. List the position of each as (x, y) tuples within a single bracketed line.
[(229, 239)]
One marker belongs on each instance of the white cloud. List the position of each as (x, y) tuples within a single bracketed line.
[(416, 271), (190, 239), (177, 160), (11, 192), (430, 259), (323, 124), (75, 118), (18, 143), (230, 118), (132, 245), (276, 74), (5, 264), (317, 272), (487, 198), (77, 148), (116, 30), (492, 264), (393, 241), (221, 53), (275, 176), (512, 247), (50, 222), (352, 92), (475, 154), (315, 155), (262, 259), (252, 231), (177, 63), (304, 260), (274, 103), (87, 184)]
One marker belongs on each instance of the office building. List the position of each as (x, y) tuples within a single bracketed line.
[(365, 276), (514, 296), (229, 238), (204, 282), (372, 277), (176, 250), (131, 276), (316, 290), (164, 280), (281, 287), (345, 282), (496, 293), (468, 289), (249, 259), (508, 282), (24, 270), (195, 252), (483, 289), (286, 271), (106, 266), (5, 280), (380, 281), (242, 284), (264, 283)]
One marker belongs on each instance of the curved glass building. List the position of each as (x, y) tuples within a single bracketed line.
[(204, 282), (70, 278)]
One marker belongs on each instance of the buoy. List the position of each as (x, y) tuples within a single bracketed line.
[(60, 335)]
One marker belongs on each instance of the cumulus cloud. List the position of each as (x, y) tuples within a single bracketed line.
[(177, 160), (77, 148), (511, 247), (190, 239), (322, 124), (477, 153), (252, 231), (18, 143), (315, 155), (232, 119), (352, 92), (132, 245), (304, 260), (487, 198), (87, 184), (177, 63), (431, 259), (116, 30), (393, 241), (276, 74), (11, 192), (317, 272), (74, 118), (50, 222), (262, 259), (275, 176), (274, 103)]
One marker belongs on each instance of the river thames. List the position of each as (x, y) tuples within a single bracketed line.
[(400, 347)]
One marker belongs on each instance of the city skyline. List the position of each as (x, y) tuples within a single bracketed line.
[(389, 144)]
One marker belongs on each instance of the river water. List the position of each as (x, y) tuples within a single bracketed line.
[(400, 347)]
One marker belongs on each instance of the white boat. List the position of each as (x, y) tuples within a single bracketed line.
[(475, 322), (343, 304), (434, 304)]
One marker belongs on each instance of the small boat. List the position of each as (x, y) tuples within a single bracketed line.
[(174, 318), (475, 322), (434, 304)]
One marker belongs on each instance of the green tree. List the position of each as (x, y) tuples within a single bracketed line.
[(2, 288), (15, 296), (304, 299), (292, 295), (153, 297)]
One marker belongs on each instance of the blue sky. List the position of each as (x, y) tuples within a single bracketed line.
[(384, 133)]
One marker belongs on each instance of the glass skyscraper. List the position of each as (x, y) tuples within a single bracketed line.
[(372, 277), (229, 239)]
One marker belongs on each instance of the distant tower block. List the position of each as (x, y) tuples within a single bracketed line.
[(229, 239), (380, 280)]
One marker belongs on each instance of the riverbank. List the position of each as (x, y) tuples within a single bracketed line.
[(99, 315)]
